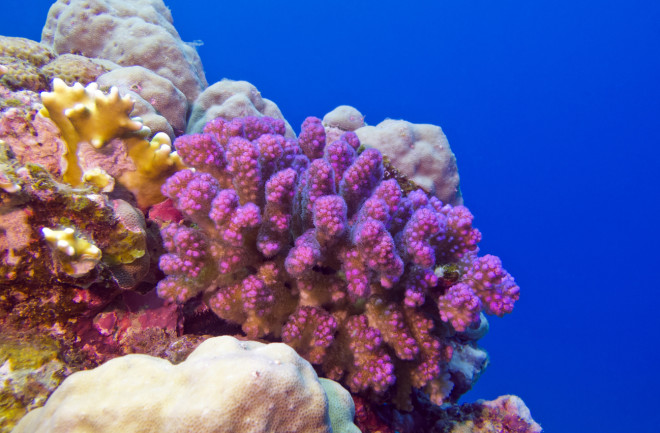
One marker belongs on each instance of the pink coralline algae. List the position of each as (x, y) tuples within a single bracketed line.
[(305, 242)]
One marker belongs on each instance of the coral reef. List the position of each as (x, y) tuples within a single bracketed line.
[(224, 385), (364, 263), (57, 241), (70, 259), (84, 136), (32, 138), (506, 414), (421, 152), (69, 262), (305, 242), (340, 120), (48, 226), (32, 66), (107, 29), (132, 323), (73, 68)]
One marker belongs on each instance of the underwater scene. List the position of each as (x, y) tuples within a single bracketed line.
[(437, 216)]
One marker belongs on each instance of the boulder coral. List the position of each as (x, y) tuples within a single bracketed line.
[(32, 66), (157, 91), (421, 152), (107, 29), (24, 59), (225, 385), (230, 99), (340, 120)]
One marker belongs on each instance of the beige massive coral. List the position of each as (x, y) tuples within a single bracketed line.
[(225, 385), (420, 151), (109, 29), (231, 99)]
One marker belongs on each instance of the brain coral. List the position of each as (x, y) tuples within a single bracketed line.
[(303, 241), (225, 385)]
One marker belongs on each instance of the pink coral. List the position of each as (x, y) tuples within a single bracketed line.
[(459, 306), (310, 330), (493, 285), (309, 244), (312, 138)]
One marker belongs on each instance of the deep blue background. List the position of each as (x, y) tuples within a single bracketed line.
[(553, 110)]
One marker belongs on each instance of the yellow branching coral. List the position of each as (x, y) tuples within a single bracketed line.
[(85, 114), (100, 178), (66, 241), (77, 255), (154, 162)]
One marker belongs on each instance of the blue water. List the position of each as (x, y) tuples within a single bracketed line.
[(553, 111)]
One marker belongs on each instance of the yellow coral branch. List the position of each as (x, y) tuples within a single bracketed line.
[(87, 114), (71, 245)]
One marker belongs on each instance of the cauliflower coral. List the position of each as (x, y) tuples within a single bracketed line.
[(306, 242)]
